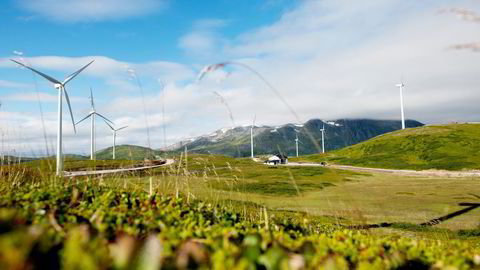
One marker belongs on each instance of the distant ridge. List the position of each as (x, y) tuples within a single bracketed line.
[(269, 140)]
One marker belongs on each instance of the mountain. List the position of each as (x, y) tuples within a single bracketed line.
[(128, 152), (449, 147), (271, 140)]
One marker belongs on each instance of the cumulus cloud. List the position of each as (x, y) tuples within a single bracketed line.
[(10, 84), (329, 59), (37, 97), (90, 10), (204, 39), (334, 59), (105, 67)]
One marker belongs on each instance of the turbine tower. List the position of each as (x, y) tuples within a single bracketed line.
[(60, 86), (401, 86), (296, 141), (251, 135), (323, 138), (92, 114), (114, 136)]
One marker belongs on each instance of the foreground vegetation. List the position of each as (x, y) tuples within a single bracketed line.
[(218, 212), (84, 225), (447, 147)]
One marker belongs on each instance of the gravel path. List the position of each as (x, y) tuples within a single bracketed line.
[(102, 172), (435, 173)]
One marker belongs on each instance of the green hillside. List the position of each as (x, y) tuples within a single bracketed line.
[(128, 152), (272, 140), (449, 147)]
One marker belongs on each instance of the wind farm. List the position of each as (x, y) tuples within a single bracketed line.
[(239, 135), (92, 114)]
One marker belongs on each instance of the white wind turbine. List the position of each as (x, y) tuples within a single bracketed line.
[(251, 135), (114, 130), (296, 140), (92, 114), (296, 136), (401, 86), (323, 138), (60, 86)]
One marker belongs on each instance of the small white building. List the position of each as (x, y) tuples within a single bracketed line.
[(277, 159)]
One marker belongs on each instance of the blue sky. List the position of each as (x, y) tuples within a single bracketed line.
[(329, 59), (138, 38)]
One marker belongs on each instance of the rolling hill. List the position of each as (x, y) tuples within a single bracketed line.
[(448, 147), (128, 152), (271, 140)]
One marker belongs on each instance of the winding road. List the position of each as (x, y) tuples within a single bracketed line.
[(102, 172), (434, 173)]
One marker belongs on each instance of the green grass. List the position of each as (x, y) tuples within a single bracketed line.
[(218, 220), (447, 147), (245, 175), (338, 196), (91, 226), (128, 152), (48, 165)]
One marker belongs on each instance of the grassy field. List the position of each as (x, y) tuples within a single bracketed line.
[(448, 147), (334, 196), (90, 226), (219, 212)]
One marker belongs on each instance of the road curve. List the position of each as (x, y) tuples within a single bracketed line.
[(435, 173), (102, 172)]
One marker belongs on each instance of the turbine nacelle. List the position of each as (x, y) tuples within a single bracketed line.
[(58, 86), (400, 85)]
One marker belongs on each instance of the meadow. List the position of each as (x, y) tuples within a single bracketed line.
[(209, 211), (337, 196)]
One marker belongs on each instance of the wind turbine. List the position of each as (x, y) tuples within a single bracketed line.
[(323, 138), (296, 140), (114, 136), (251, 135), (401, 86), (92, 114), (296, 135), (60, 86)]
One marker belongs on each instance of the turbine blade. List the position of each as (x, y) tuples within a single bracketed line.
[(109, 125), (69, 108), (104, 118), (121, 128), (88, 115), (73, 75), (91, 99), (53, 80)]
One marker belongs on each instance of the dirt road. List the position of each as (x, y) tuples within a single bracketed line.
[(433, 173), (102, 172)]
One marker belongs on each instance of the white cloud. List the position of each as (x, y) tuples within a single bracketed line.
[(335, 59), (90, 10), (329, 59), (105, 67), (37, 97), (203, 40), (30, 96), (10, 84)]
